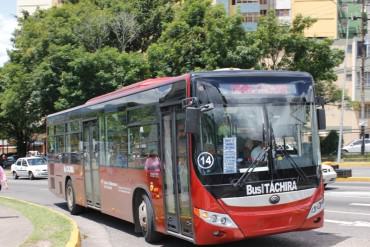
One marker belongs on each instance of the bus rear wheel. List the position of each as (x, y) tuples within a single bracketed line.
[(73, 208), (146, 220)]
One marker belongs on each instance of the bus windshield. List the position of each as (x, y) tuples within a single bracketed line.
[(265, 127)]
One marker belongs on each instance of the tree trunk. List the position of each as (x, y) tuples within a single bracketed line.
[(21, 145)]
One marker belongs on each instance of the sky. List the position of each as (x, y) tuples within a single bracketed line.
[(8, 23)]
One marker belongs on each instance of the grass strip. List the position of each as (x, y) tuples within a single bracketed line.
[(49, 228)]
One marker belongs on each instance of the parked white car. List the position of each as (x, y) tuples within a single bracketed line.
[(355, 146), (328, 174), (31, 167)]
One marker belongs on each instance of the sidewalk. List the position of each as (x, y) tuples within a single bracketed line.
[(15, 228)]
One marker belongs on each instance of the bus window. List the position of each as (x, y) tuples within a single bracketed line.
[(143, 142), (72, 148), (143, 114), (59, 148), (116, 134)]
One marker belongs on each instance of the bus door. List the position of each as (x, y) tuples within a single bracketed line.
[(176, 171), (91, 162)]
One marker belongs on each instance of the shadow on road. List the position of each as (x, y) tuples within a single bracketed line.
[(331, 188), (313, 238)]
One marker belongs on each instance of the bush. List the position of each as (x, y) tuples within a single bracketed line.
[(330, 144)]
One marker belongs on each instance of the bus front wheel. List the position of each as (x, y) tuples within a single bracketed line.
[(73, 208), (146, 220)]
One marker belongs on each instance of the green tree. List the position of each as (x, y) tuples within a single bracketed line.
[(19, 118), (201, 37), (54, 67)]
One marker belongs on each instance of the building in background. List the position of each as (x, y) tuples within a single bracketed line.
[(252, 10), (32, 5), (332, 18), (326, 13), (348, 9)]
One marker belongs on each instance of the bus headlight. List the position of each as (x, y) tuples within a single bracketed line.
[(316, 208), (215, 218)]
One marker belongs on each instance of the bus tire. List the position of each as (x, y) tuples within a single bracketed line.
[(73, 208), (146, 220)]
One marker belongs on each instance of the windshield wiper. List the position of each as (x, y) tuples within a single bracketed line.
[(298, 169), (260, 157)]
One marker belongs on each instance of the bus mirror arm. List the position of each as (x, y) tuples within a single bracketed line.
[(321, 118), (192, 120)]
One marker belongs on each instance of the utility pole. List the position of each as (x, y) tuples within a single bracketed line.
[(362, 72), (339, 153)]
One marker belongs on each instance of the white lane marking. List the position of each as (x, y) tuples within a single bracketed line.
[(360, 204), (345, 212), (349, 223)]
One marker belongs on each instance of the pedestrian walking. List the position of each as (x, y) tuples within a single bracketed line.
[(3, 181)]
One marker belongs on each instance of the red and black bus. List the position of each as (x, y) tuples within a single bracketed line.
[(209, 157)]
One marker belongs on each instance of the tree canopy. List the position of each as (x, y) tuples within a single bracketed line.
[(68, 54)]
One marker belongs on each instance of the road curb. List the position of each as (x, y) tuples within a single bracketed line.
[(348, 164), (354, 179), (354, 164), (74, 239)]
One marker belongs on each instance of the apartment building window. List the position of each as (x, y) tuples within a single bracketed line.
[(282, 12), (263, 1), (246, 1), (349, 77), (367, 79), (367, 111), (263, 11), (349, 48), (359, 48), (251, 17)]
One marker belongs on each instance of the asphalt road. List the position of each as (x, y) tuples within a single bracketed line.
[(347, 220)]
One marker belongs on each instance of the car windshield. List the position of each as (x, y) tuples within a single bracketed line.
[(36, 162), (270, 136)]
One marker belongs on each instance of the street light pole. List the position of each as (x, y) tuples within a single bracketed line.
[(339, 153), (363, 56)]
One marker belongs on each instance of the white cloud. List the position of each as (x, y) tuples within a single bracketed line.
[(7, 27)]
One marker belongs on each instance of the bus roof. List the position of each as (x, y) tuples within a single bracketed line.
[(156, 82), (127, 90), (234, 72)]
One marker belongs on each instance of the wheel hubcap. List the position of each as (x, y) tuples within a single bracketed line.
[(143, 216)]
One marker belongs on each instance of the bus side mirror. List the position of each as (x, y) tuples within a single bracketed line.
[(192, 120), (321, 119)]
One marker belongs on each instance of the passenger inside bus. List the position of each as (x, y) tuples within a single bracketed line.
[(245, 155), (152, 162), (257, 150), (117, 158)]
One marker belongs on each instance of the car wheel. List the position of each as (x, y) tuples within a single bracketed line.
[(146, 220), (15, 175), (31, 176), (73, 208)]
